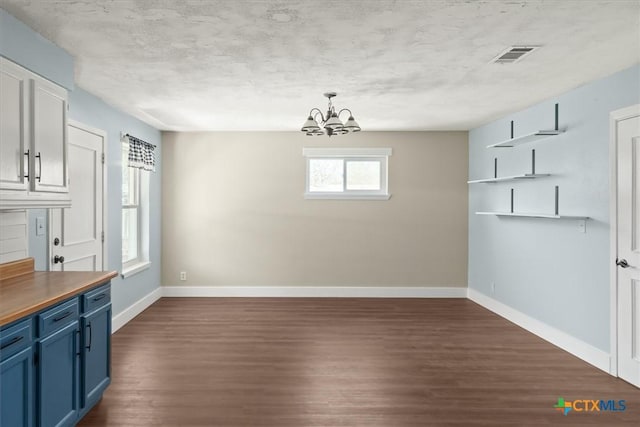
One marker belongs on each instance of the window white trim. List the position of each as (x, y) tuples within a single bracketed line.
[(349, 155), (134, 269), (346, 152), (141, 204), (350, 195)]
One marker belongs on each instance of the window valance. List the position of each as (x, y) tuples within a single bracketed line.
[(141, 154)]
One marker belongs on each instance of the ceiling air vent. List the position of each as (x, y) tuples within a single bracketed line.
[(513, 54)]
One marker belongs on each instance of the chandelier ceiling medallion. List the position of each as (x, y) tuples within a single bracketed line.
[(331, 124)]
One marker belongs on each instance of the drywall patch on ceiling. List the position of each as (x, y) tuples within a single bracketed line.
[(398, 65)]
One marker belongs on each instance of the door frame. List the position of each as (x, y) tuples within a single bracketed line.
[(615, 117), (103, 134)]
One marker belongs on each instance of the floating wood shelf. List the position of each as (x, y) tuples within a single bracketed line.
[(536, 136), (534, 215), (509, 178)]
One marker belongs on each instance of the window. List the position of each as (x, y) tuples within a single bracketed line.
[(347, 173), (135, 217)]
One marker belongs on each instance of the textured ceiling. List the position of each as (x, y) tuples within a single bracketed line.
[(398, 65)]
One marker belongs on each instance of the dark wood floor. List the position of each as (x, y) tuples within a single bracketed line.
[(343, 362)]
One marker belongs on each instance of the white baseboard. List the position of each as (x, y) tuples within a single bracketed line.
[(124, 317), (590, 354), (315, 291)]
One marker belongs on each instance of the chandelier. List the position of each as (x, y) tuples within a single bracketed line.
[(331, 124)]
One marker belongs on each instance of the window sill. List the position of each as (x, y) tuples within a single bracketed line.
[(343, 196), (135, 269)]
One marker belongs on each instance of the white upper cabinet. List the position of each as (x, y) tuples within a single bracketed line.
[(14, 139), (49, 119), (33, 140)]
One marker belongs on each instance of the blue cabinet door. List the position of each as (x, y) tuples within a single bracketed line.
[(16, 390), (58, 377), (96, 361)]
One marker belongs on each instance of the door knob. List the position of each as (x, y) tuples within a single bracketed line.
[(622, 263), (58, 259)]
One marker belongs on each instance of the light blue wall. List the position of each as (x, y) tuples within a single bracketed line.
[(27, 48), (544, 268)]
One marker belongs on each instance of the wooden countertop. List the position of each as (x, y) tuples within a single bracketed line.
[(29, 292)]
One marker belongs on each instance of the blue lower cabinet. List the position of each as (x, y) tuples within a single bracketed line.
[(58, 369), (16, 390), (56, 364), (96, 360)]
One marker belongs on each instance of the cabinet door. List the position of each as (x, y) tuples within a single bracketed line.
[(58, 377), (49, 121), (13, 126), (96, 361), (16, 390)]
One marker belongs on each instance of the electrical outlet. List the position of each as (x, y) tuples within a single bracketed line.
[(493, 288), (183, 275)]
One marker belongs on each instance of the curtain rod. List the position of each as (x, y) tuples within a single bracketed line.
[(123, 135)]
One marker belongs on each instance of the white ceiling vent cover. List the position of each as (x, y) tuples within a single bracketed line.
[(513, 54)]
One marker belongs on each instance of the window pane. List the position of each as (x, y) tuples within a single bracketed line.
[(129, 234), (363, 175), (130, 185), (326, 175)]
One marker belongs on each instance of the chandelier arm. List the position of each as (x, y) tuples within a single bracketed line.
[(318, 112), (345, 109)]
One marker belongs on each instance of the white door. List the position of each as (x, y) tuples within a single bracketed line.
[(628, 248), (76, 233)]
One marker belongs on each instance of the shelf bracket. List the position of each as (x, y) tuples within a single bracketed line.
[(533, 162), (512, 201)]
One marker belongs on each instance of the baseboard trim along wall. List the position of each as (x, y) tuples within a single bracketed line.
[(127, 315), (590, 354), (315, 291)]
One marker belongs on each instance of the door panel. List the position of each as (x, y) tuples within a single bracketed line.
[(87, 263), (79, 228), (628, 276)]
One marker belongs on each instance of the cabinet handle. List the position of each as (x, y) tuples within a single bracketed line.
[(99, 297), (90, 337), (15, 340), (39, 157), (28, 164), (64, 316)]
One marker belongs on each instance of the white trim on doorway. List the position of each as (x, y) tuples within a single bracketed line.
[(615, 117), (105, 235)]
